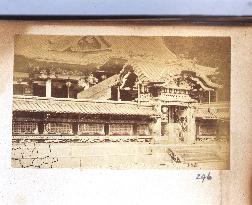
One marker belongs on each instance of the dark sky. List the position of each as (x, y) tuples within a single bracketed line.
[(209, 51)]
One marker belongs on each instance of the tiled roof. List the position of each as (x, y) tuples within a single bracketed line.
[(143, 46), (205, 114), (53, 105), (39, 48), (152, 60), (213, 111), (222, 114), (100, 90), (42, 46), (157, 70)]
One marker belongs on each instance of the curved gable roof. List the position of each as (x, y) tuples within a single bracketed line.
[(160, 71), (149, 56)]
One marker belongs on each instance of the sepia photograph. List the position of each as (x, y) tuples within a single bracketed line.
[(135, 112), (121, 102)]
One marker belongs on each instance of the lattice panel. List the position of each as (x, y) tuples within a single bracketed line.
[(91, 129), (24, 127), (121, 129), (143, 130), (207, 130), (59, 128), (145, 97)]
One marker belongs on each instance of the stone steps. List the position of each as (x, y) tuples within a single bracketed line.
[(109, 155), (196, 154)]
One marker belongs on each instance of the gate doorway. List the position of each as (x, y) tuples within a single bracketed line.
[(174, 124)]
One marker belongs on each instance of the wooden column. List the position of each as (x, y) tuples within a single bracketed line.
[(106, 129), (49, 88), (78, 128), (190, 136), (209, 97), (156, 128), (68, 84), (135, 129), (118, 94), (138, 93), (45, 131), (36, 131)]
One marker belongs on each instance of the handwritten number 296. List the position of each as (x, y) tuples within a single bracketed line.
[(204, 177)]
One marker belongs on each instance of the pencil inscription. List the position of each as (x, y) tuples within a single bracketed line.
[(204, 177)]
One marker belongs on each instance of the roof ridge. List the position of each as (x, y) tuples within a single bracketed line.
[(105, 84), (19, 97)]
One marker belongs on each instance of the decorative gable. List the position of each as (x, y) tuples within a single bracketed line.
[(79, 44)]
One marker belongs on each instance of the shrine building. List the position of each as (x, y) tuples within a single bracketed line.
[(107, 89)]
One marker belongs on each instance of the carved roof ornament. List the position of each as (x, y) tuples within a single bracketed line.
[(43, 74), (68, 84), (177, 81), (92, 80), (77, 44), (82, 83)]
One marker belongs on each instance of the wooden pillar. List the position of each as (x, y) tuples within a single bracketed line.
[(132, 130), (40, 127), (103, 130), (72, 128), (36, 131), (118, 94), (156, 128), (156, 125), (171, 133), (138, 93), (209, 97), (68, 84), (48, 88), (45, 131), (106, 129), (78, 128), (68, 95), (135, 128), (190, 136)]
